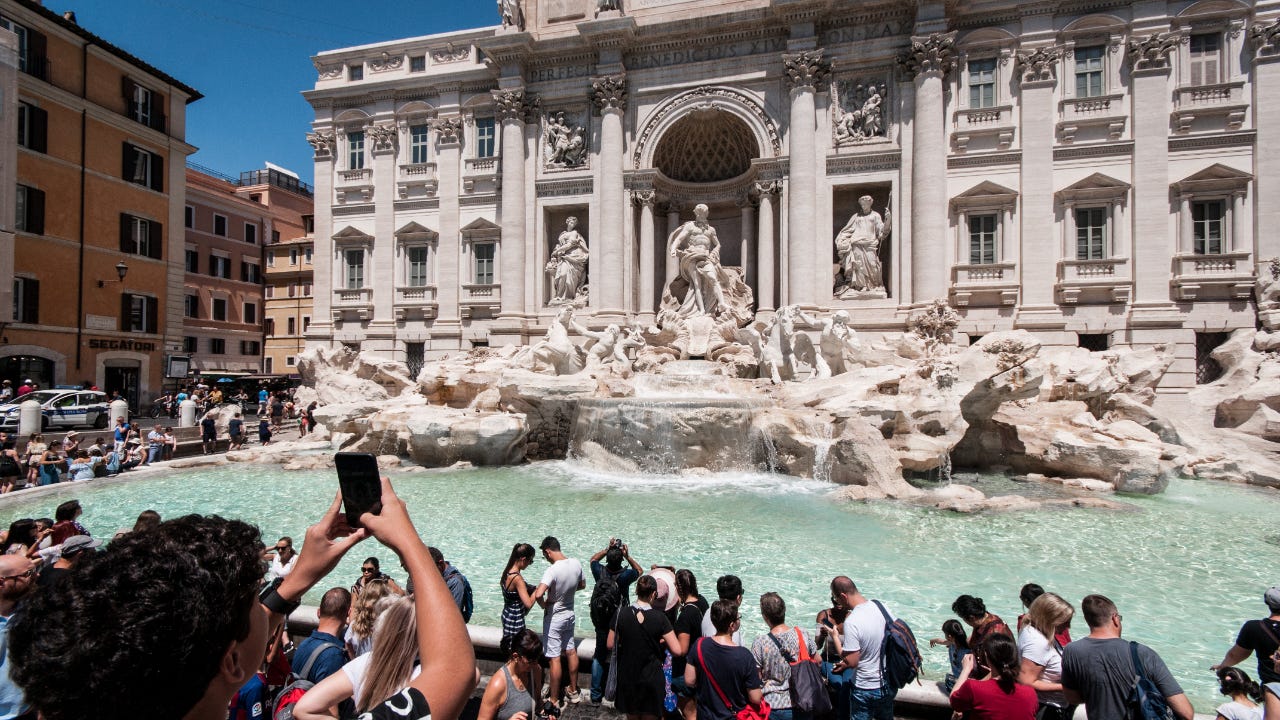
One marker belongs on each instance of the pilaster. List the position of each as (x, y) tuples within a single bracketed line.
[(928, 62), (805, 73), (765, 284), (1040, 249), (1152, 251), (381, 268), (1265, 37), (608, 284), (449, 275), (321, 329), (510, 105)]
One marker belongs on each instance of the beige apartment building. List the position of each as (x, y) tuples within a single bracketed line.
[(288, 295), (93, 166)]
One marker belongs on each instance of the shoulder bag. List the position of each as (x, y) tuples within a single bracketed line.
[(746, 713), (1275, 656), (808, 689)]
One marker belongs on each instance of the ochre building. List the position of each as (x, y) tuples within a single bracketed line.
[(99, 193)]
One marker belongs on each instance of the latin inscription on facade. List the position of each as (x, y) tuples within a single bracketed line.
[(560, 72), (865, 31), (695, 54)]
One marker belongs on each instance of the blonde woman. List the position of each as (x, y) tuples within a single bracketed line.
[(1041, 655), (364, 612), (371, 678)]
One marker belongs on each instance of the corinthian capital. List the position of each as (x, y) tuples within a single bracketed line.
[(383, 138), (1039, 65), (807, 69), (512, 104), (609, 92), (323, 143), (1152, 52), (449, 129), (933, 54), (1266, 39)]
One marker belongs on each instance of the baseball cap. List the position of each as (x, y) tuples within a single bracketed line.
[(1272, 598), (77, 544)]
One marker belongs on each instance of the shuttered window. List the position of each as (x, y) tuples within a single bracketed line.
[(26, 300), (33, 127), (139, 236), (29, 214), (982, 239), (1206, 58), (143, 167), (138, 313)]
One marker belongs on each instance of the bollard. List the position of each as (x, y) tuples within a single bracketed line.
[(187, 413), (117, 409), (30, 418)]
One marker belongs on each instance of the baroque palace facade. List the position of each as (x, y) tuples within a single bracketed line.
[(1099, 173)]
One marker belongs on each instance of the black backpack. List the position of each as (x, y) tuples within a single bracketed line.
[(606, 598), (899, 655), (1145, 698)]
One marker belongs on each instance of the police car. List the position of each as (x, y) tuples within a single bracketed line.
[(62, 408)]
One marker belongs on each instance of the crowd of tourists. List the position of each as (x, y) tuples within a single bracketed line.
[(39, 461), (187, 615)]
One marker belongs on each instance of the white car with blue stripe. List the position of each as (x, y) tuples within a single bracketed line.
[(61, 408)]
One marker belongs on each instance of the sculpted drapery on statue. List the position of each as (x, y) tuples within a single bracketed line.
[(512, 14), (697, 248), (568, 265), (564, 143), (858, 247)]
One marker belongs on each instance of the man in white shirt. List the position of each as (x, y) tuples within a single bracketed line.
[(864, 628), (555, 594)]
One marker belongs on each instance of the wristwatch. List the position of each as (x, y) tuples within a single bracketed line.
[(272, 600)]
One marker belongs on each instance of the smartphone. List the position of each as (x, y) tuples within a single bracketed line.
[(361, 485)]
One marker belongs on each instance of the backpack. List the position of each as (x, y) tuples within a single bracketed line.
[(808, 689), (468, 602), (899, 655), (298, 686), (1146, 700), (1275, 656), (606, 598)]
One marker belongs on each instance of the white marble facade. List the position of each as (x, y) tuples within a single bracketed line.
[(1102, 173)]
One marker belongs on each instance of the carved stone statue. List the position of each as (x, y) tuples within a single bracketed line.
[(836, 340), (512, 14), (606, 5), (568, 264), (565, 145), (858, 247), (698, 249), (556, 351), (601, 345), (864, 117)]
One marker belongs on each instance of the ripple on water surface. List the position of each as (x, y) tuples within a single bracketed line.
[(1186, 567)]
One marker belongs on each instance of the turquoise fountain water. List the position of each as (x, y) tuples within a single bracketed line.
[(1186, 567)]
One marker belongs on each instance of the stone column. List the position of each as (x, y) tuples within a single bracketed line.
[(929, 61), (511, 110), (609, 94), (380, 271), (321, 329), (1038, 259), (746, 245), (672, 265), (805, 73), (1152, 257), (648, 258), (449, 276), (1266, 118), (764, 247)]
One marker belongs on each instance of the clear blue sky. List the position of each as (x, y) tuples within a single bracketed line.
[(252, 58)]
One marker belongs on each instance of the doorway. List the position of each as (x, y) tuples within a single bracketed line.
[(125, 381)]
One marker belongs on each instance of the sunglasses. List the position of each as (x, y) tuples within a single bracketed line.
[(367, 570)]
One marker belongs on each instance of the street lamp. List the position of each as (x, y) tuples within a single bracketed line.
[(121, 270)]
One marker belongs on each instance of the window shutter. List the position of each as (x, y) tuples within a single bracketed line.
[(195, 263), (1197, 72), (126, 307), (126, 89), (244, 271), (130, 171), (37, 47), (37, 129), (30, 300), (157, 111), (127, 245), (35, 211), (1210, 71), (155, 240), (157, 172), (153, 308)]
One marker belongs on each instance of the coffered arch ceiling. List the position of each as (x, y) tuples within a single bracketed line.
[(706, 146)]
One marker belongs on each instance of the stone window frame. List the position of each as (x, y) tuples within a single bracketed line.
[(1093, 31), (480, 235), (1231, 191), (1003, 205), (413, 115), (1204, 18), (416, 236), (477, 107), (1095, 191), (349, 238), (995, 45)]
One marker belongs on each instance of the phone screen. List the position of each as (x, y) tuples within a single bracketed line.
[(361, 485)]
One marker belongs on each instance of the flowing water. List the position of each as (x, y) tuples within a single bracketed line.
[(1186, 567)]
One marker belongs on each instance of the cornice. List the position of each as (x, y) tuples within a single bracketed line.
[(1228, 140), (987, 160)]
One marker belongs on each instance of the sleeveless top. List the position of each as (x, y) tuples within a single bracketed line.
[(513, 611), (517, 701)]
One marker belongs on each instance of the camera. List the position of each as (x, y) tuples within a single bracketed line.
[(617, 543)]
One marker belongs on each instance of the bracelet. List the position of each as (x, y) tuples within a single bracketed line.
[(272, 600)]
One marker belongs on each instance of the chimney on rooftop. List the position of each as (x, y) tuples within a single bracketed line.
[(70, 16)]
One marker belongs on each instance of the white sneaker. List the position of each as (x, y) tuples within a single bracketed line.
[(607, 703), (574, 697)]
